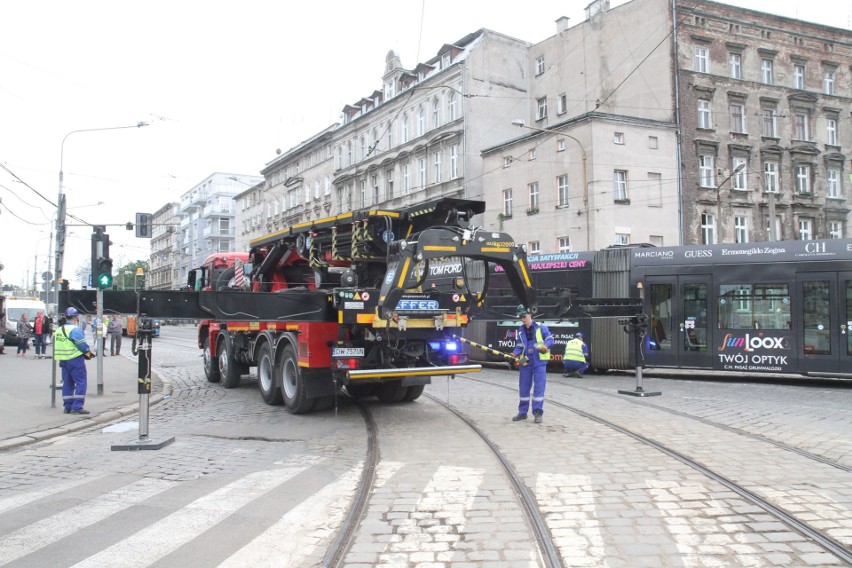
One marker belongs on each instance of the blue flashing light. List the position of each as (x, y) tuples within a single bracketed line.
[(435, 345), (452, 346)]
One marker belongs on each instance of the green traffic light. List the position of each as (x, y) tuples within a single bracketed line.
[(104, 281)]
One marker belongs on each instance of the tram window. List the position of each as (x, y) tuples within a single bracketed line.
[(661, 317), (754, 306), (848, 317), (816, 317)]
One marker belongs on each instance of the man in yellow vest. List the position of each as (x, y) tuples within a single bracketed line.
[(532, 349), (71, 350), (576, 358)]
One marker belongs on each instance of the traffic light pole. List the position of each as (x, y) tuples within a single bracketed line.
[(99, 342)]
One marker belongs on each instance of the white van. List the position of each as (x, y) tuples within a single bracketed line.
[(14, 308)]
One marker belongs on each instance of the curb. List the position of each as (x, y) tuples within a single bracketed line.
[(92, 421)]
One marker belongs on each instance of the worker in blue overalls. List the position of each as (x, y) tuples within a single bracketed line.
[(71, 350), (532, 350)]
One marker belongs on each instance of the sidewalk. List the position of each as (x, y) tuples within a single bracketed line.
[(25, 397)]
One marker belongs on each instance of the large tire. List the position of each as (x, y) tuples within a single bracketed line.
[(228, 367), (357, 391), (211, 366), (269, 389), (293, 384), (391, 392), (323, 403), (413, 393)]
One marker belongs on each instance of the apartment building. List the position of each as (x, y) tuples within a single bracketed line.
[(164, 269), (207, 214), (767, 134)]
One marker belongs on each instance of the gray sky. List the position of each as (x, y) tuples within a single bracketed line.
[(222, 84)]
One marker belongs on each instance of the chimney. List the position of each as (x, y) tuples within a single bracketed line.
[(596, 7), (562, 24)]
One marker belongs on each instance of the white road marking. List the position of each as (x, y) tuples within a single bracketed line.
[(27, 497)]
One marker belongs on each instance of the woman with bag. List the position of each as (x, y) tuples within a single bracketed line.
[(25, 332)]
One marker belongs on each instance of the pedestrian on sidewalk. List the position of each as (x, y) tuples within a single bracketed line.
[(41, 329), (115, 329), (25, 332), (532, 349), (71, 350), (2, 332)]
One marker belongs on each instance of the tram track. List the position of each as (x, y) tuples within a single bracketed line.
[(739, 431), (802, 527)]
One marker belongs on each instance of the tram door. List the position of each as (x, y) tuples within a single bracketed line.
[(681, 320), (825, 313)]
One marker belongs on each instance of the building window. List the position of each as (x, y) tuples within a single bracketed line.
[(534, 247), (454, 161), (799, 77), (800, 126), (741, 229), (534, 194), (446, 59), (562, 104), (436, 163), (735, 66), (317, 189), (421, 169), (833, 183), (770, 176), (563, 244), (704, 117), (806, 229), (767, 76), (708, 229), (622, 239), (507, 161), (539, 65), (363, 200), (507, 202), (803, 179), (738, 120), (421, 121), (389, 184), (404, 128), (770, 123), (436, 113), (560, 145), (531, 154), (653, 142), (562, 190), (619, 185), (375, 180), (452, 106), (327, 190), (541, 111), (406, 180), (706, 175), (828, 81), (701, 61), (835, 230), (740, 179), (778, 235), (618, 138), (831, 131)]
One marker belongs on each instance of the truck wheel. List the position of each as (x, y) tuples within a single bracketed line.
[(228, 368), (360, 391), (293, 384), (270, 392), (413, 393), (211, 366), (391, 392)]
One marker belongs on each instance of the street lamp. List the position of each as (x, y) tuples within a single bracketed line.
[(737, 170), (60, 247), (521, 124)]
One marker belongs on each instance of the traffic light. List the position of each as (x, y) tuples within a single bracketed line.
[(103, 275), (63, 284), (144, 224)]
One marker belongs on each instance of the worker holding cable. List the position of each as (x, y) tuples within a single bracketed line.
[(532, 350)]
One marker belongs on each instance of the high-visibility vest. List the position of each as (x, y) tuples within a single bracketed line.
[(64, 348), (574, 351), (539, 340)]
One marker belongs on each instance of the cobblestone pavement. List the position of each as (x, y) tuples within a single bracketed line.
[(246, 484)]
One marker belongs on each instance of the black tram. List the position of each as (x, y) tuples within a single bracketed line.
[(779, 307), (557, 277)]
